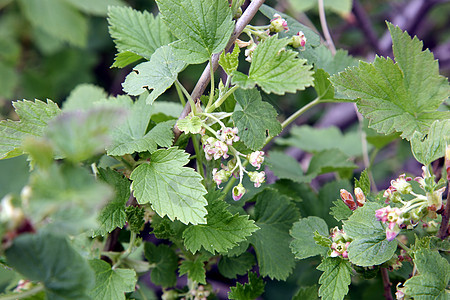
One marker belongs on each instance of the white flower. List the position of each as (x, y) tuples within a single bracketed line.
[(256, 159)]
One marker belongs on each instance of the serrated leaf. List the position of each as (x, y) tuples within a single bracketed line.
[(166, 264), (78, 135), (274, 215), (332, 64), (304, 245), (156, 75), (203, 27), (257, 120), (230, 267), (111, 284), (34, 117), (58, 19), (135, 218), (229, 61), (123, 59), (340, 211), (97, 7), (398, 97), (329, 161), (322, 240), (284, 166), (430, 147), (139, 33), (190, 124), (113, 214), (315, 140), (51, 260), (307, 293), (222, 230), (194, 270), (172, 189), (132, 135), (275, 70), (335, 279), (83, 96), (364, 182), (369, 246), (248, 291), (433, 277)]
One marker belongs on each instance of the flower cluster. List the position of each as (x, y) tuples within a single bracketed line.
[(398, 187), (392, 217), (340, 243), (350, 202), (200, 293), (214, 148)]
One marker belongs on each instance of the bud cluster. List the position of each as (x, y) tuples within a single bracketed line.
[(340, 243), (349, 201)]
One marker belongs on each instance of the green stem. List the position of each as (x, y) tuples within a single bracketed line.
[(24, 294), (199, 159), (180, 95), (221, 99), (127, 252), (211, 82), (186, 93), (403, 246)]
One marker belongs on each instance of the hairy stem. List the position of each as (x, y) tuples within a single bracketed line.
[(326, 32), (221, 99), (386, 284), (127, 252), (443, 230), (180, 95)]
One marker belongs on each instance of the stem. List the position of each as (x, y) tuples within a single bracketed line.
[(326, 33), (211, 74), (403, 246), (299, 112), (127, 252), (386, 284), (186, 93), (221, 99), (443, 230), (180, 95), (199, 158), (214, 118), (24, 294)]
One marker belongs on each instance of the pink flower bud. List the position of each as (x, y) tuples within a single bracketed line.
[(256, 159), (360, 197), (238, 191), (348, 199), (220, 176), (278, 24), (298, 40)]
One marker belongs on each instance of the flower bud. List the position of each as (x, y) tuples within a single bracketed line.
[(402, 185), (278, 24), (348, 199), (257, 178), (256, 158), (360, 197), (220, 176), (298, 40), (238, 192)]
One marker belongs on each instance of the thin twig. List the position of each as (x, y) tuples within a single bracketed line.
[(443, 230), (200, 87), (386, 284), (366, 25), (326, 32)]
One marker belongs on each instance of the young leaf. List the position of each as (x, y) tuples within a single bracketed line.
[(274, 214), (304, 245), (284, 166), (398, 97), (433, 278), (249, 291), (275, 70), (340, 211), (111, 284), (222, 231), (194, 269), (230, 267), (113, 214), (335, 279), (229, 61), (158, 74), (135, 218), (257, 120), (369, 246), (190, 124), (172, 189), (364, 182), (34, 117), (132, 135), (51, 260), (430, 147), (166, 264), (203, 27), (138, 33)]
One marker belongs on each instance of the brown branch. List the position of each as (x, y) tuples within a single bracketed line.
[(202, 83), (386, 284), (443, 230)]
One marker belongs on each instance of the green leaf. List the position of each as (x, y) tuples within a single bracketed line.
[(123, 59), (230, 61), (158, 74), (335, 279), (138, 33), (427, 148), (329, 161), (113, 214), (274, 214), (248, 291), (342, 7), (83, 96), (304, 245), (307, 293), (222, 230), (132, 135), (256, 121), (97, 7), (10, 80), (230, 267), (284, 166), (398, 97), (332, 64), (275, 70), (315, 140), (166, 264), (364, 182), (111, 284), (78, 135), (135, 218), (322, 240), (433, 278), (34, 117), (194, 269), (190, 124), (172, 189), (369, 246), (51, 260), (58, 19), (340, 211), (203, 27)]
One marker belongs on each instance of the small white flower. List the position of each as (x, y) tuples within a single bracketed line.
[(256, 159)]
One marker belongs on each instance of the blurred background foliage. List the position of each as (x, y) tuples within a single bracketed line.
[(48, 47)]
